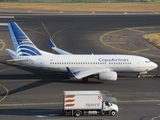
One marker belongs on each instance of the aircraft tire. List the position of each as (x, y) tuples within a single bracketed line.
[(85, 80)]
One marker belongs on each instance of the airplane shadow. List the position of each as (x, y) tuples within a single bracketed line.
[(39, 78)]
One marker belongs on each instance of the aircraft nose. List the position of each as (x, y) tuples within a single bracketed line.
[(154, 65)]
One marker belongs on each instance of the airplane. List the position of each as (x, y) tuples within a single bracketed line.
[(78, 66)]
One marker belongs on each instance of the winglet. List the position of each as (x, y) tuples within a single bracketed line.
[(51, 43), (58, 50), (70, 73)]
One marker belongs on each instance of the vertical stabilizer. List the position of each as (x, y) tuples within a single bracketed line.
[(23, 46)]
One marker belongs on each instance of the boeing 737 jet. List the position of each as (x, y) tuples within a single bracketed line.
[(78, 66)]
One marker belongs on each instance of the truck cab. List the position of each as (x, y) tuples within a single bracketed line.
[(110, 108)]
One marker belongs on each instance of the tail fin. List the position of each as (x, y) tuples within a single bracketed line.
[(23, 46)]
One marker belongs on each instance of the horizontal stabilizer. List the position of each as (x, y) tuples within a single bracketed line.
[(14, 56), (11, 53), (58, 50), (16, 60)]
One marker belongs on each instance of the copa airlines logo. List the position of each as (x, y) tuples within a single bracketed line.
[(26, 48), (112, 60)]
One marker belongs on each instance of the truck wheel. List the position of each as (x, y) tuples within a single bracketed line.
[(77, 113), (113, 113)]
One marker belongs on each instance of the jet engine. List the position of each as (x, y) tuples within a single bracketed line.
[(109, 75)]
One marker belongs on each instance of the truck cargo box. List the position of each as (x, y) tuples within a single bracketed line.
[(84, 100)]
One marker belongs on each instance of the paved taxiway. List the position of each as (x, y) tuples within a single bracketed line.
[(24, 90)]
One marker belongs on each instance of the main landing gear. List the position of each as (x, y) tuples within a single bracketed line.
[(85, 80)]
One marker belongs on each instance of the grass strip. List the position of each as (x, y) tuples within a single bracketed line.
[(153, 38), (103, 7)]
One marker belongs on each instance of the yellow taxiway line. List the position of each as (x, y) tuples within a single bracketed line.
[(108, 45), (136, 51), (7, 91), (116, 42), (3, 44)]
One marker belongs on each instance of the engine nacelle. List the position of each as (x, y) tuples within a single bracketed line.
[(109, 75)]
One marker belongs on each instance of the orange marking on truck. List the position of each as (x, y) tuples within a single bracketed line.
[(69, 105), (69, 96), (69, 101)]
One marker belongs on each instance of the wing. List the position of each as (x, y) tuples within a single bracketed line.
[(84, 73), (58, 50)]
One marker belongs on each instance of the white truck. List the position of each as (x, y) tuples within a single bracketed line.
[(76, 103)]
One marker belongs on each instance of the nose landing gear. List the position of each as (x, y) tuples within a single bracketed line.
[(140, 74)]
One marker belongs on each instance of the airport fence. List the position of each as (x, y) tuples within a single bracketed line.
[(77, 1)]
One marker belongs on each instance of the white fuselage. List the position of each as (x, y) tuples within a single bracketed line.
[(117, 63)]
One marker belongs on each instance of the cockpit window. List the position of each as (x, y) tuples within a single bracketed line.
[(147, 61)]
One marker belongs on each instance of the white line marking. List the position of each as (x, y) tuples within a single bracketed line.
[(155, 117), (7, 17), (39, 116), (3, 24)]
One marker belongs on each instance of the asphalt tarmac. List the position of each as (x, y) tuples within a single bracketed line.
[(29, 93)]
